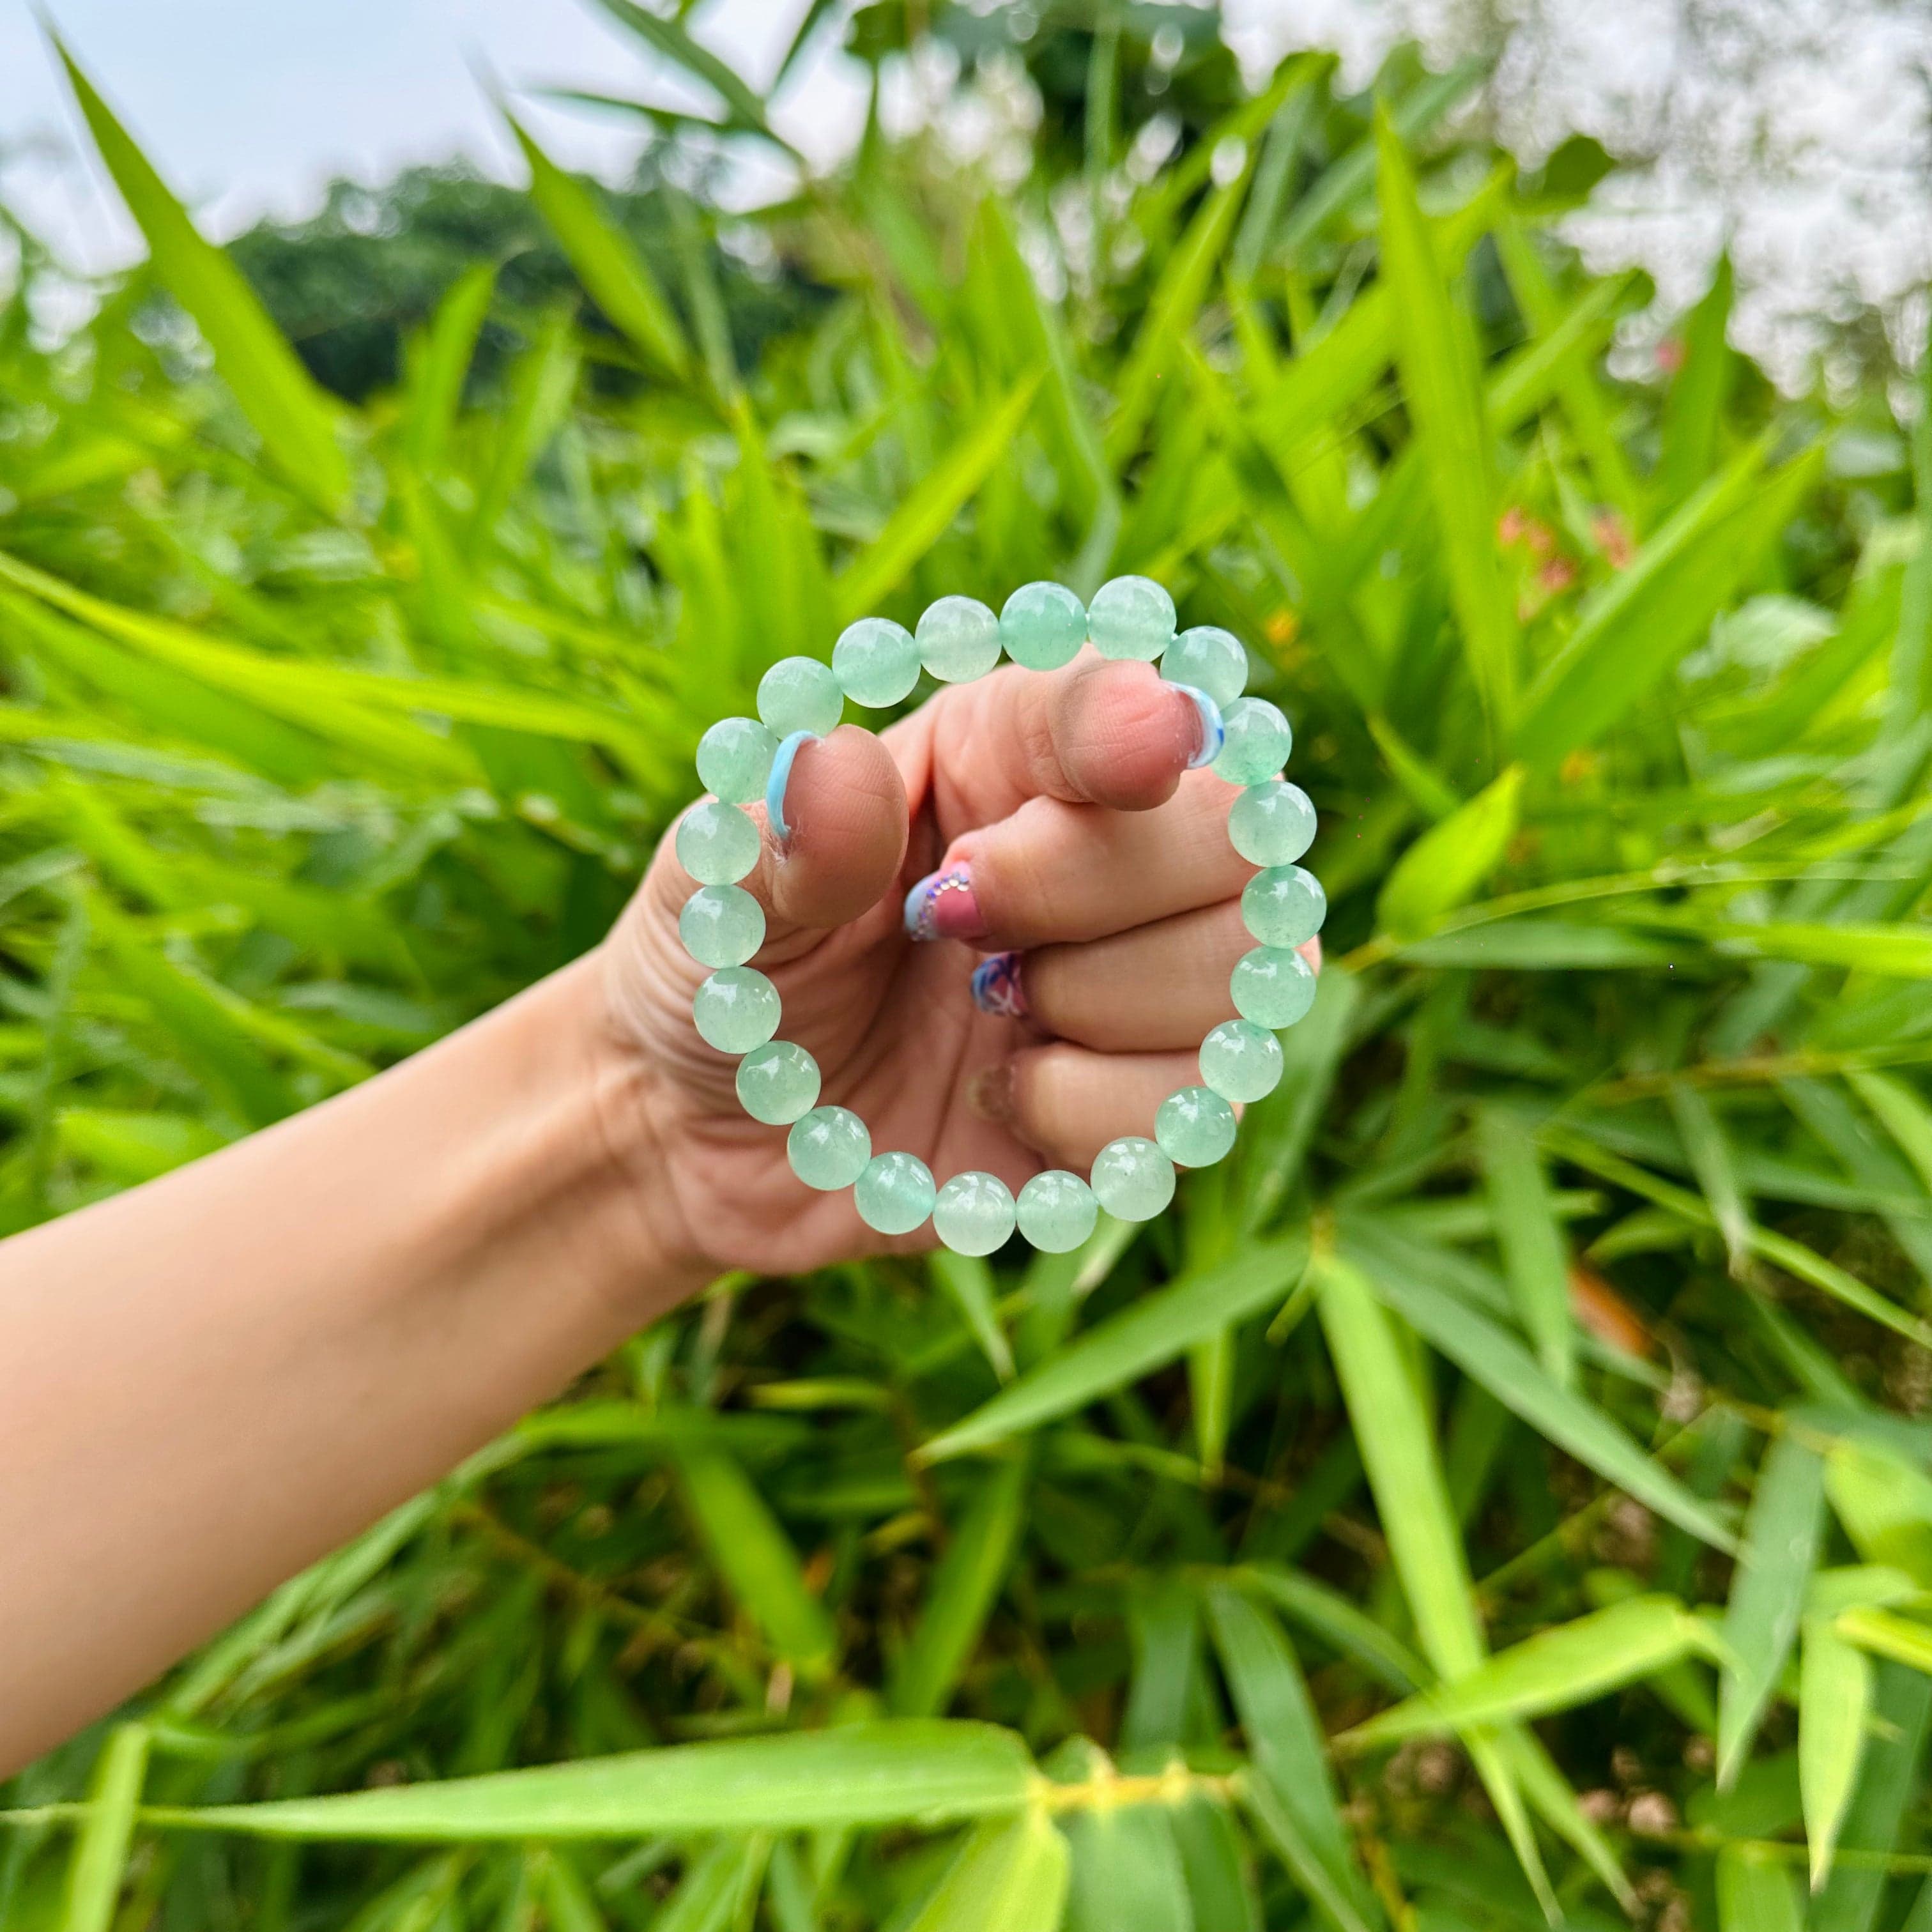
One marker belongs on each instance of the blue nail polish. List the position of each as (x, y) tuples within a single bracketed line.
[(1213, 733), (997, 988), (917, 901), (774, 786)]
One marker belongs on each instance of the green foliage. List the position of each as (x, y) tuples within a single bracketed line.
[(1575, 1556)]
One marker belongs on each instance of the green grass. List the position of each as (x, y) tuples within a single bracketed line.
[(1531, 1407)]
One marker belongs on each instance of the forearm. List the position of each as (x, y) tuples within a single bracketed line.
[(210, 1380)]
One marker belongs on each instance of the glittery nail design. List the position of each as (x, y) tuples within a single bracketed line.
[(996, 987), (941, 906)]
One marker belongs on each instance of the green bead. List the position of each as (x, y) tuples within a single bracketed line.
[(1284, 906), (721, 925), (735, 1009), (895, 1193), (800, 694), (1240, 1061), (974, 1213), (778, 1083), (1133, 1179), (828, 1148), (734, 759), (875, 661), (959, 639), (1273, 985), (1195, 1126), (1131, 617), (1257, 743), (1211, 660), (717, 844), (1042, 625), (1057, 1211), (1271, 823)]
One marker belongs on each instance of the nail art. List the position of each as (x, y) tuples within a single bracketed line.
[(782, 761), (996, 987), (1214, 732), (941, 906)]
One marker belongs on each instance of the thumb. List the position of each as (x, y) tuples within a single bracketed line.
[(835, 848)]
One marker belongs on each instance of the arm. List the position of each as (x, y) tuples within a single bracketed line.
[(211, 1380)]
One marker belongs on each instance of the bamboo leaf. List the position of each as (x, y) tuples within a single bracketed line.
[(1531, 1240), (1011, 1876), (1834, 1694), (1756, 1892), (98, 1865), (1448, 865)]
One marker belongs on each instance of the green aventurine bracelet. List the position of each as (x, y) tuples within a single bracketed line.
[(876, 663)]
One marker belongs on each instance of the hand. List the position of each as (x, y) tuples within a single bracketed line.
[(1076, 844)]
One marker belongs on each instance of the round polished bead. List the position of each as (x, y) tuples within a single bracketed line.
[(1258, 742), (800, 694), (1211, 660), (894, 1194), (828, 1148), (1057, 1211), (1284, 906), (777, 1083), (717, 844), (734, 759), (1133, 1179), (1195, 1126), (1240, 1061), (721, 925), (1131, 617), (974, 1213), (1042, 625), (1273, 985), (1272, 823), (875, 661), (959, 639), (735, 1009)]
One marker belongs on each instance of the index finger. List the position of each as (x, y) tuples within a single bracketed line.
[(1098, 732)]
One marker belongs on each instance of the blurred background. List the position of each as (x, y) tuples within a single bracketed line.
[(1499, 1493)]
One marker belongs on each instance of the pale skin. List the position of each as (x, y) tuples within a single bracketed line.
[(210, 1380)]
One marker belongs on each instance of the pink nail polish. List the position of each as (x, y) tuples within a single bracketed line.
[(941, 906)]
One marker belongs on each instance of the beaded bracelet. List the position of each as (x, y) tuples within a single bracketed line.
[(876, 663)]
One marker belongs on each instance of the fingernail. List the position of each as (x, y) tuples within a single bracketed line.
[(997, 988), (989, 1094), (1212, 733), (941, 906), (782, 761)]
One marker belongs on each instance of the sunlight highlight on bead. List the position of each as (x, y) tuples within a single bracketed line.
[(974, 1213), (828, 1148), (1042, 625), (1273, 987), (734, 759), (1131, 617), (1258, 742), (1211, 660), (1056, 1211), (1284, 906), (959, 639), (800, 694), (1271, 823), (735, 1009), (1195, 1126), (777, 1083), (894, 1194), (1241, 1061), (1133, 1179), (717, 844), (721, 925), (875, 661)]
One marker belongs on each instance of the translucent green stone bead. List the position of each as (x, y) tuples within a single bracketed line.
[(959, 639), (894, 1194), (778, 1084), (1195, 1126), (1057, 1211), (1284, 906), (1257, 743), (734, 759), (721, 925), (717, 844), (1042, 625), (1131, 617), (1240, 1061), (1272, 823), (735, 1009), (800, 694), (875, 661), (974, 1213), (1211, 660), (828, 1148), (1272, 986), (1133, 1179)]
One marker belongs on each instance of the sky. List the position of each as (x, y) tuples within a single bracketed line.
[(248, 106)]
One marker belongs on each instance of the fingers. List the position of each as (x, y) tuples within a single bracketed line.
[(1056, 871), (1068, 1102), (844, 810), (1098, 733)]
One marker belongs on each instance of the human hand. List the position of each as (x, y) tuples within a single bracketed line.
[(1081, 856)]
